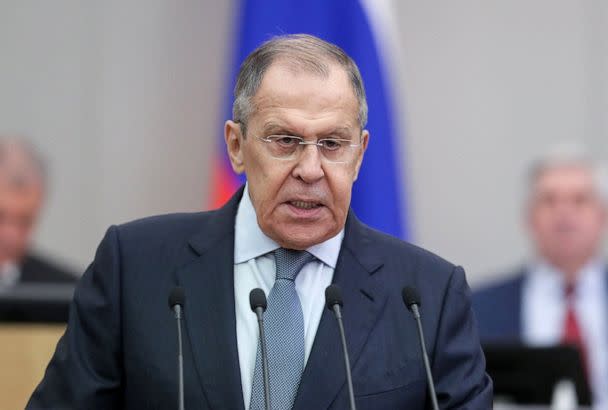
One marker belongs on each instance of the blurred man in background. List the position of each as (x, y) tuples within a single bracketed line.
[(561, 295), (22, 189)]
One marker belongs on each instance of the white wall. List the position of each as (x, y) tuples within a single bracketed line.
[(486, 87), (122, 96), (126, 97)]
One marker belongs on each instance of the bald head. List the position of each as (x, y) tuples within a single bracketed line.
[(21, 195)]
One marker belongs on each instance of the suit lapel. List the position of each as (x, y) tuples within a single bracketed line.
[(209, 310), (324, 375)]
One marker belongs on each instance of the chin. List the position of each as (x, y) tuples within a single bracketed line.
[(302, 239), (301, 242)]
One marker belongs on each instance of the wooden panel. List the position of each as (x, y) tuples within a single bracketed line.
[(25, 350)]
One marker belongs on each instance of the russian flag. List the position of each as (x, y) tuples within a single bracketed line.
[(360, 28)]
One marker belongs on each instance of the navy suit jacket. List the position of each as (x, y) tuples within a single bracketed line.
[(37, 269), (119, 349), (498, 310)]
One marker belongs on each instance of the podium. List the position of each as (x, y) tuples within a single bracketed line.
[(25, 350), (32, 319)]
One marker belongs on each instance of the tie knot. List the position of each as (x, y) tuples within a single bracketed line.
[(289, 262)]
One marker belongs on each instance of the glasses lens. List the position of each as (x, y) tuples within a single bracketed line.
[(335, 150), (282, 146)]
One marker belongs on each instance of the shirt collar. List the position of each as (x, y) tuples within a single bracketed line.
[(590, 276), (250, 242)]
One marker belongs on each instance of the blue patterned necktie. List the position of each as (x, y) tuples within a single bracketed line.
[(284, 327)]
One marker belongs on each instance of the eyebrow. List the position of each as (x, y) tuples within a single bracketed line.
[(273, 127), (342, 132)]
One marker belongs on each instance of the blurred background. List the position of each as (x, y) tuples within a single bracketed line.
[(126, 101)]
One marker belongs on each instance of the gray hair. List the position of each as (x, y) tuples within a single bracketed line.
[(301, 51), (21, 163), (568, 155)]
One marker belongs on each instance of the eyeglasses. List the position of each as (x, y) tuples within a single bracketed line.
[(290, 147)]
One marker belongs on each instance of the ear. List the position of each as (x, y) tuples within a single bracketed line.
[(364, 142), (234, 145)]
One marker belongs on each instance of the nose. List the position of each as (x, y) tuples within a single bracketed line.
[(309, 168)]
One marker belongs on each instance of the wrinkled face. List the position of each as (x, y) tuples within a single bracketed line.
[(19, 208), (302, 201), (566, 216)]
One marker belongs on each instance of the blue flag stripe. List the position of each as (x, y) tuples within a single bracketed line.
[(377, 194)]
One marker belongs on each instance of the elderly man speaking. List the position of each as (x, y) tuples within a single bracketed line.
[(298, 134)]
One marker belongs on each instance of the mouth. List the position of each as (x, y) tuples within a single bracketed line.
[(304, 209), (306, 205)]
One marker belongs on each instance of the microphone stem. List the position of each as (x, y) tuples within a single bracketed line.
[(180, 357), (259, 312), (349, 378), (425, 357)]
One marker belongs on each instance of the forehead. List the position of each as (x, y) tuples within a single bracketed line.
[(288, 93), (567, 178)]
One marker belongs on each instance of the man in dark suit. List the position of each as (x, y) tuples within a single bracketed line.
[(32, 288), (22, 188), (298, 134), (561, 295)]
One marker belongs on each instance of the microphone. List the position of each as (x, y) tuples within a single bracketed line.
[(333, 300), (257, 301), (177, 298), (411, 299)]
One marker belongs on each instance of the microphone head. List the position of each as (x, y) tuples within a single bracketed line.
[(410, 297), (257, 299), (333, 296), (177, 297)]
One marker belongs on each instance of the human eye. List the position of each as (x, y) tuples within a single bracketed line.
[(285, 141), (332, 144)]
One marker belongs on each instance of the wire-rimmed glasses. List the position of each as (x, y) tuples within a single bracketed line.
[(290, 147)]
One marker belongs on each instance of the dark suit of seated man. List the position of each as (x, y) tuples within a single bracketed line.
[(22, 192), (298, 134), (561, 296), (26, 277)]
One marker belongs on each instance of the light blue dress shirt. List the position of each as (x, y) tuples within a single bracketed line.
[(255, 268)]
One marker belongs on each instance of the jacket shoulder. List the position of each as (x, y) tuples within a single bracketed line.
[(408, 253), (167, 226), (39, 268), (498, 310), (499, 290)]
